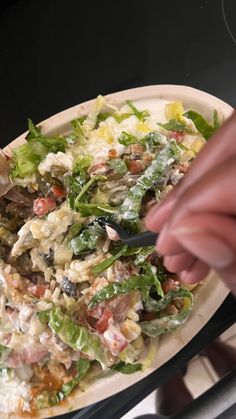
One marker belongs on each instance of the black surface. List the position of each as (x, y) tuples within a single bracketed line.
[(215, 401), (55, 54)]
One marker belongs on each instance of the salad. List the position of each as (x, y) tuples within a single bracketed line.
[(74, 301)]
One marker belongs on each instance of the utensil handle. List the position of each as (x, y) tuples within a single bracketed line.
[(142, 239)]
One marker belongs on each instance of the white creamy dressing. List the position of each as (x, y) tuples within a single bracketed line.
[(65, 160), (15, 390)]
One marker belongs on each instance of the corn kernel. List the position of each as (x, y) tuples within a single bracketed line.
[(138, 343), (130, 329), (197, 145), (188, 155), (142, 127), (132, 315)]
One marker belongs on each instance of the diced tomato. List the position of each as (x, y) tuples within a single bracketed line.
[(177, 135), (37, 290), (148, 315), (170, 285), (96, 312), (135, 166), (115, 340), (44, 205), (102, 323), (99, 168), (58, 191)]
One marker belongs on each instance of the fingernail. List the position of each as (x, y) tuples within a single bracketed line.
[(204, 245)]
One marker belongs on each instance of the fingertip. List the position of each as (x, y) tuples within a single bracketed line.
[(158, 215)]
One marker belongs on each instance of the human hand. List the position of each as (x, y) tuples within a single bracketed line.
[(197, 220)]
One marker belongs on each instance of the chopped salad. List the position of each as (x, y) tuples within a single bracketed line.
[(74, 300)]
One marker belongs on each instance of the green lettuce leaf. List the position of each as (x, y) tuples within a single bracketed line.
[(102, 116), (112, 290), (130, 208), (201, 123), (118, 166), (87, 239), (86, 210), (53, 144), (72, 232), (126, 139), (143, 254), (81, 165), (141, 115), (26, 159), (126, 368), (79, 338), (82, 366), (163, 323), (105, 264), (174, 125), (151, 271), (120, 117)]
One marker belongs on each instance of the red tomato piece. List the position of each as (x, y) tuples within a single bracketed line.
[(177, 135), (44, 205), (115, 340), (58, 191), (102, 323), (37, 290)]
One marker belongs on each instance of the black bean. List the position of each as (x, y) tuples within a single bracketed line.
[(68, 287), (49, 258)]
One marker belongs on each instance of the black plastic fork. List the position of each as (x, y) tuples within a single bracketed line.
[(145, 239)]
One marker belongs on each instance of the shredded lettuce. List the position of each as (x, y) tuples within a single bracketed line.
[(164, 323), (130, 208), (91, 119), (120, 117), (121, 251), (141, 282), (201, 123), (126, 139), (86, 210), (126, 368), (86, 187), (118, 166), (173, 125), (87, 239), (82, 163), (79, 338), (27, 157), (143, 254), (53, 144), (141, 115)]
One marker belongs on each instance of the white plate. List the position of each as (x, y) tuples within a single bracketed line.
[(208, 297)]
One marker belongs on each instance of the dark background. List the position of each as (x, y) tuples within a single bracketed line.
[(55, 54)]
